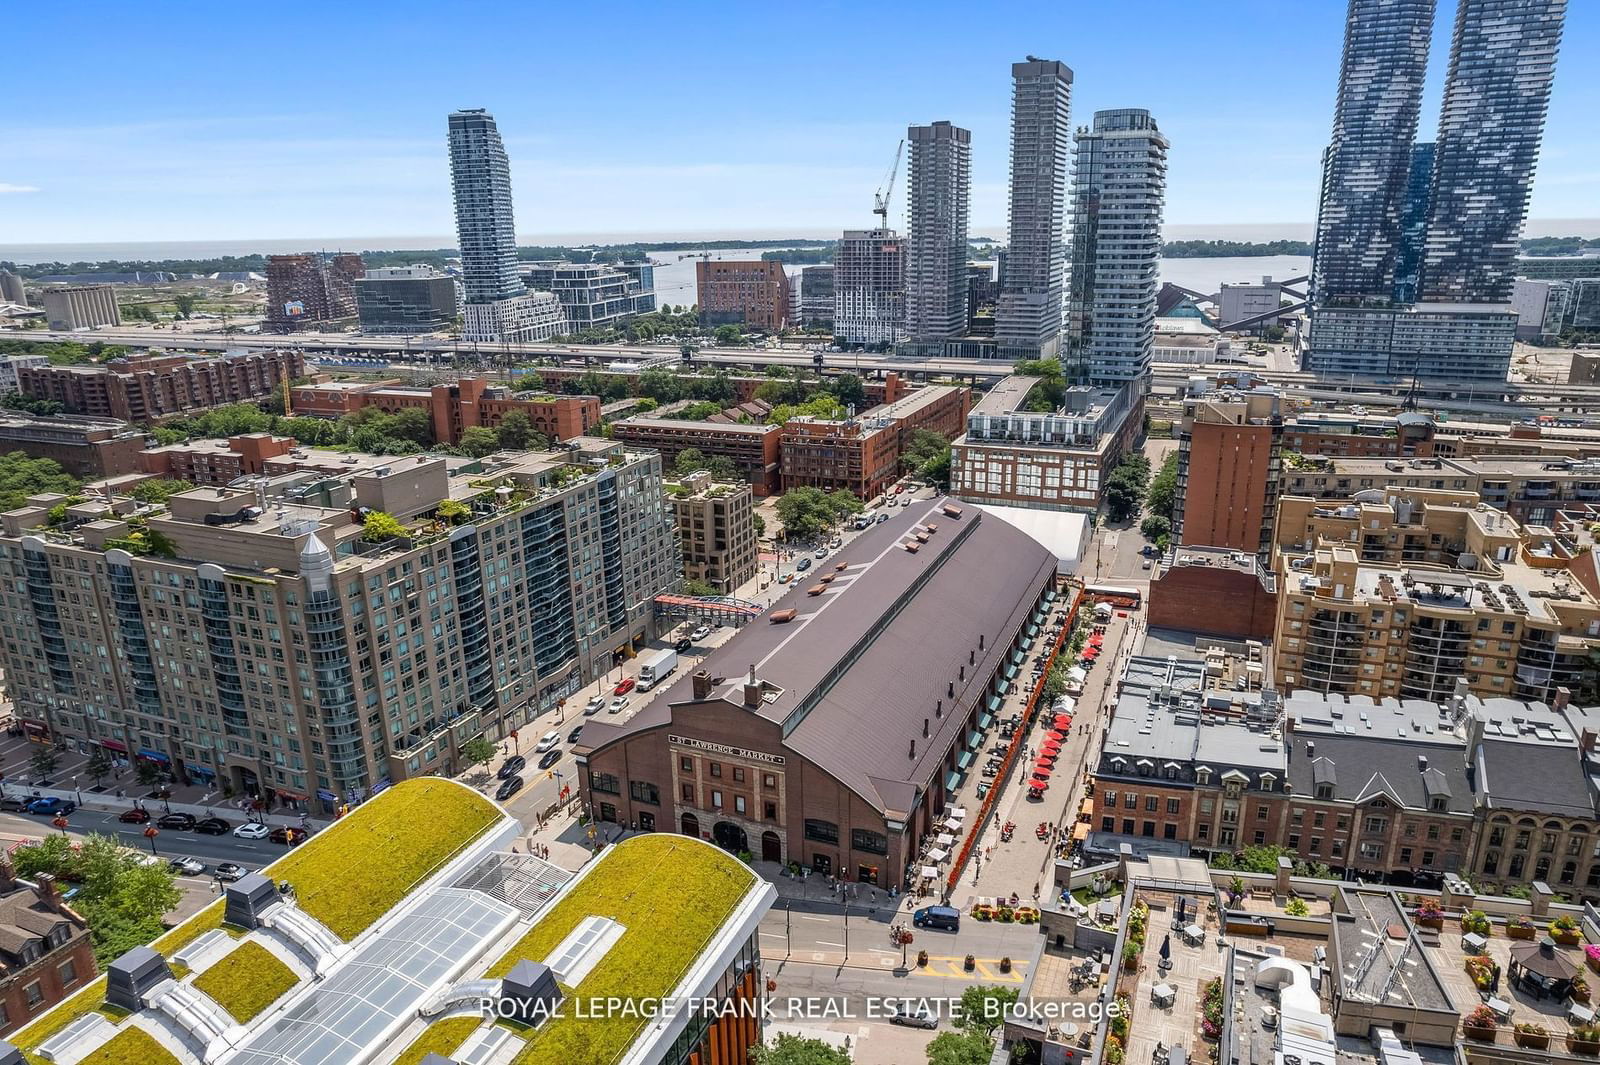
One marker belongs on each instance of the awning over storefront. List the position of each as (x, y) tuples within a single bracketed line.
[(154, 756), (952, 780), (114, 745), (965, 759), (1010, 671), (986, 719), (974, 739), (1080, 831), (326, 795), (1017, 656), (292, 796), (1087, 809), (382, 785), (1033, 629), (201, 771), (994, 703)]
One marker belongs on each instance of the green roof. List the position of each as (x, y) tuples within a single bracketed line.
[(671, 894), (246, 981), (387, 845)]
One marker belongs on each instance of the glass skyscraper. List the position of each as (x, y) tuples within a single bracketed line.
[(480, 176), (1413, 224), (1496, 95), (1368, 158), (1117, 201), (1028, 314), (940, 172)]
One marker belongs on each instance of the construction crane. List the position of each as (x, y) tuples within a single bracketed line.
[(880, 199)]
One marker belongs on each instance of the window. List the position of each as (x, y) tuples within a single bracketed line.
[(1150, 802), (69, 971), (716, 768), (738, 804), (1109, 824), (1203, 831), (1316, 844), (1338, 848), (1375, 825), (738, 774), (1172, 806), (1261, 813), (687, 791), (686, 764), (605, 782), (1405, 855), (1427, 858), (769, 811), (1130, 801), (35, 994), (1491, 863), (608, 812), (1261, 837), (716, 800), (645, 792), (1111, 798), (870, 842), (1148, 829), (1371, 851), (1324, 791), (822, 831), (1169, 831), (1127, 826), (768, 780)]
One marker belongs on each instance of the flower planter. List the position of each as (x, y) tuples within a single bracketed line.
[(1581, 994), (1519, 932), (1592, 961), (970, 963), (1532, 1040), (1480, 1035), (1436, 922), (1565, 937), (1589, 1049), (922, 957)]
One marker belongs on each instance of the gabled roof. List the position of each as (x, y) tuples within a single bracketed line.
[(1377, 785), (1322, 771)]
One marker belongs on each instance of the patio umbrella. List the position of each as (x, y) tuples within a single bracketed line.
[(1051, 746), (1042, 769), (1166, 946), (1096, 640), (1038, 784), (1059, 735), (1183, 907)]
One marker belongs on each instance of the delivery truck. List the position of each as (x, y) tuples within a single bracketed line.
[(655, 667)]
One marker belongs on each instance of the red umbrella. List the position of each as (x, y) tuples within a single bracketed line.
[(1058, 735), (1096, 640), (1048, 757), (1042, 768), (1038, 783), (1050, 745)]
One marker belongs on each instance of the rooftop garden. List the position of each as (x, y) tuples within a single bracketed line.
[(441, 1037), (131, 1046), (247, 981), (671, 895), (388, 844)]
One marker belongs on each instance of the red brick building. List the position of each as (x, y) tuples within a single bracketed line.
[(215, 462), (752, 448), (779, 760), (453, 408), (1214, 591), (752, 293), (45, 950), (862, 455), (142, 388)]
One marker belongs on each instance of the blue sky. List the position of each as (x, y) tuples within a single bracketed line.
[(218, 121)]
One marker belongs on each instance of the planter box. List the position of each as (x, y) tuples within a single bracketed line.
[(1480, 1035), (1520, 933), (1589, 1049), (1581, 996), (1591, 961), (1566, 939), (1532, 1040), (1435, 923)]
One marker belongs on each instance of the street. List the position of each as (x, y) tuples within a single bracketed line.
[(170, 843)]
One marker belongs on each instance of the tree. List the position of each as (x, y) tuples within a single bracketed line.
[(184, 303), (689, 460), (960, 1048), (1122, 500), (983, 1007), (850, 391), (146, 772), (721, 468), (794, 1050), (100, 765), (806, 513), (21, 477), (1055, 683), (1155, 527), (478, 441), (692, 586), (380, 526), (729, 334), (477, 751), (698, 411), (159, 490), (1162, 498), (453, 511), (645, 405), (761, 530), (515, 430), (43, 760), (660, 385)]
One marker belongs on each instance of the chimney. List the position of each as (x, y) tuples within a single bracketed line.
[(8, 873), (951, 690), (752, 689), (702, 684), (1563, 697), (47, 891), (938, 708), (913, 750), (963, 673), (1311, 749), (924, 728), (972, 658), (1422, 763), (980, 641)]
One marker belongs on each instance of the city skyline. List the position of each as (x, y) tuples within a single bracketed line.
[(331, 156)]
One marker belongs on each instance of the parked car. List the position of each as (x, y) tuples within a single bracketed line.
[(181, 822), (700, 633), (187, 866), (13, 805), (624, 686), (212, 826), (508, 789), (548, 740), (915, 1015), (618, 705), (289, 837), (251, 830), (883, 517), (803, 565), (229, 871), (550, 758), (572, 737), (134, 816), (512, 766), (947, 918), (52, 806), (821, 552), (594, 706), (682, 644), (899, 488)]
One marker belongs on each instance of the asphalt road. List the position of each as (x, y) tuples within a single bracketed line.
[(170, 843)]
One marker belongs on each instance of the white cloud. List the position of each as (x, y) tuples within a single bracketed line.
[(7, 187)]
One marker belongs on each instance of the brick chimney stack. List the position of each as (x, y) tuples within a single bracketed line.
[(702, 684), (48, 893)]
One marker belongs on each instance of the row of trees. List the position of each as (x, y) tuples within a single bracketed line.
[(927, 455), (1125, 488), (1160, 503), (808, 514)]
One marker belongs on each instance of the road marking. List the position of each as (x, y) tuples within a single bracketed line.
[(804, 917), (817, 955), (825, 943)]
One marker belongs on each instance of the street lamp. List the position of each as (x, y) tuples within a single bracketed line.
[(150, 833), (76, 789)]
